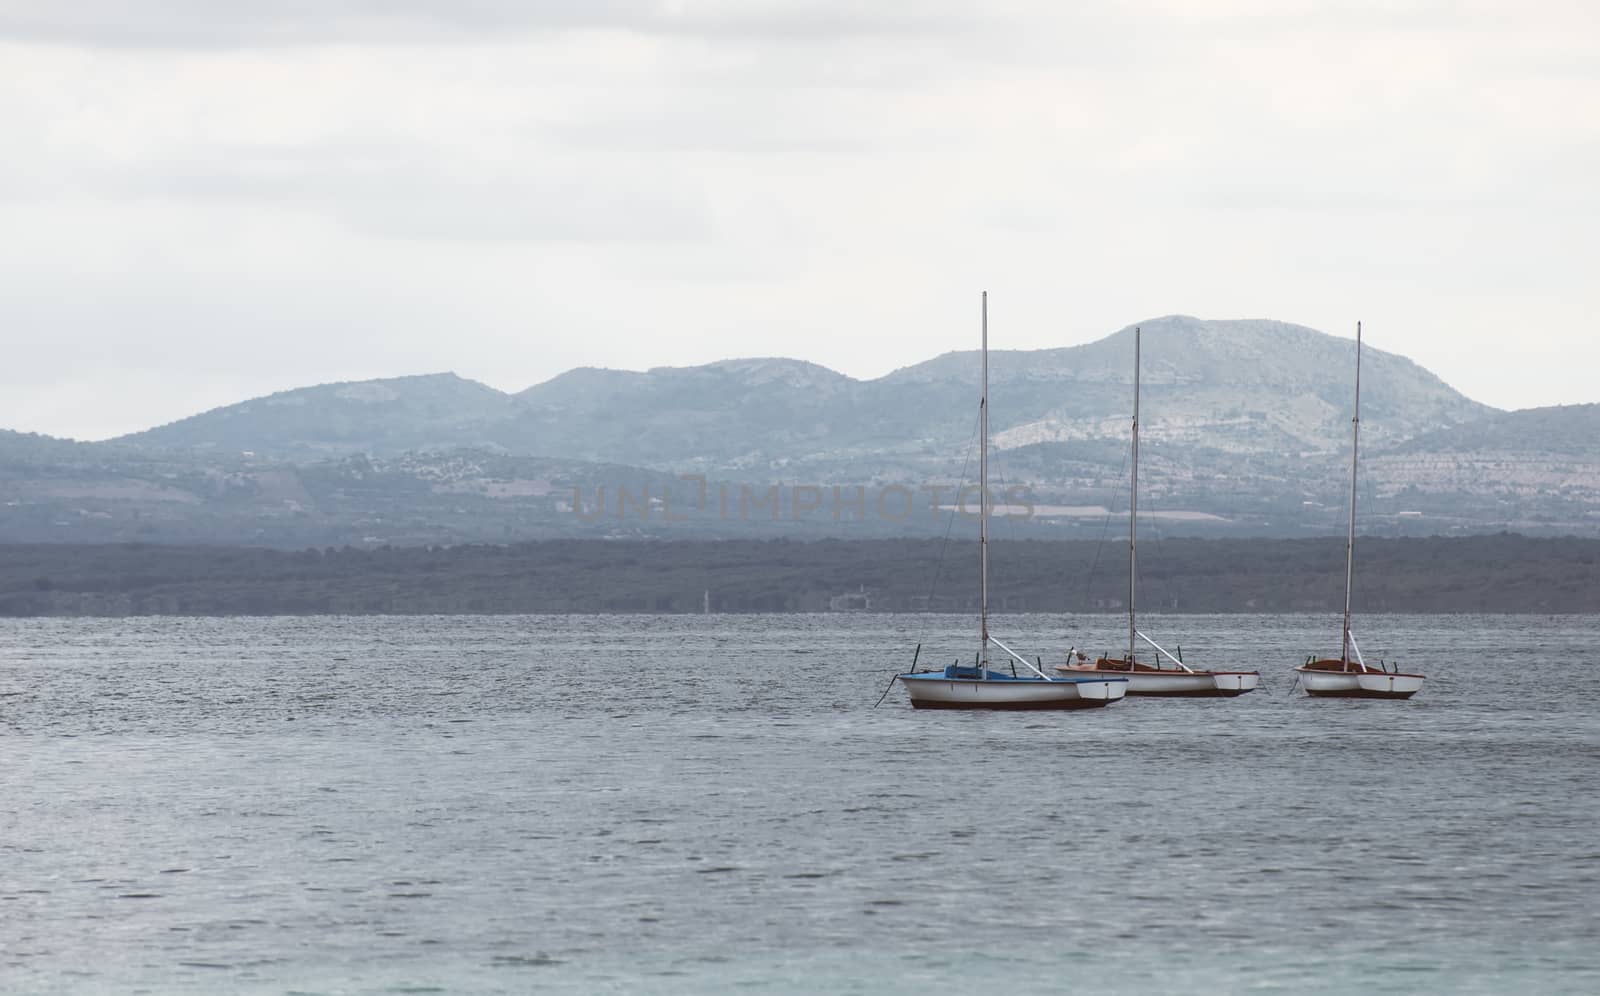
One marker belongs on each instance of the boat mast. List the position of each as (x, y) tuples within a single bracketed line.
[(983, 501), (1133, 500), (1350, 539)]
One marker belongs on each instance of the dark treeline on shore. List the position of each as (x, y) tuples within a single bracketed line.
[(1503, 573)]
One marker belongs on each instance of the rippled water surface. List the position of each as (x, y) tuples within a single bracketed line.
[(693, 804)]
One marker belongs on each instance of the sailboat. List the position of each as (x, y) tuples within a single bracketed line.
[(1341, 677), (1179, 680), (980, 686)]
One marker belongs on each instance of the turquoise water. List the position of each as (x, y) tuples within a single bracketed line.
[(702, 804)]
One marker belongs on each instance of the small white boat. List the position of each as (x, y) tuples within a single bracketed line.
[(959, 687), (980, 686), (1171, 682), (1180, 680), (1333, 679), (1344, 677)]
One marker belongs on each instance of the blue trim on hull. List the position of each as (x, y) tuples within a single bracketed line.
[(971, 675)]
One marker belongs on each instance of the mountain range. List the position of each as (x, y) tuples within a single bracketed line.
[(1243, 386), (1244, 429)]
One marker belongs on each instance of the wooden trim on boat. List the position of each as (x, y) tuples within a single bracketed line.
[(1355, 668), (1147, 669)]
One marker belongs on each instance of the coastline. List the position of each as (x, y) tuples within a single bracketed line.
[(1502, 573)]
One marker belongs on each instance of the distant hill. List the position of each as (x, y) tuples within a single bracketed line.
[(732, 415), (430, 411), (1232, 386), (1570, 430), (24, 448), (1227, 386), (1245, 429), (1536, 466)]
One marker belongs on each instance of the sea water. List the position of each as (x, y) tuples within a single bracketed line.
[(688, 804)]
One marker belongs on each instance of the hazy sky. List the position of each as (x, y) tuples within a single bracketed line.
[(206, 200)]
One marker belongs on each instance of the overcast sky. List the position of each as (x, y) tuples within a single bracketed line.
[(207, 200)]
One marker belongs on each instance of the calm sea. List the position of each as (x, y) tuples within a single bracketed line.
[(704, 804)]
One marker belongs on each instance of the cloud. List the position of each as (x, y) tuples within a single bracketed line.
[(397, 191), (241, 23)]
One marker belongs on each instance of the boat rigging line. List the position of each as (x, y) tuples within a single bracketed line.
[(950, 522), (1105, 526)]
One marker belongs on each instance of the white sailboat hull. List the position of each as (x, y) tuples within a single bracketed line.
[(1178, 684), (1235, 682), (934, 691), (1359, 684)]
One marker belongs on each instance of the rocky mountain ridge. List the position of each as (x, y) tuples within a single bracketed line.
[(1245, 428), (1236, 386)]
